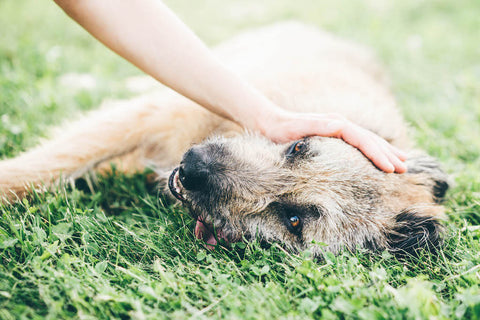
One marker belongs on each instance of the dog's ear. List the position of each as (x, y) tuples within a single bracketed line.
[(434, 176), (413, 232)]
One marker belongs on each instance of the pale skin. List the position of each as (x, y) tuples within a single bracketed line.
[(150, 36)]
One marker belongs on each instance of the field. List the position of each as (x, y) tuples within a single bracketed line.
[(119, 252)]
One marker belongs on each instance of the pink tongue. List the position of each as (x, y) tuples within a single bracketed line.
[(201, 232)]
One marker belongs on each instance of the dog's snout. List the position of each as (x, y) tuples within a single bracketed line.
[(193, 171)]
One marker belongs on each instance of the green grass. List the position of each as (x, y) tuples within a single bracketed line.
[(121, 252)]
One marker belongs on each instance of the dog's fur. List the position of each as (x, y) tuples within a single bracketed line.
[(254, 188)]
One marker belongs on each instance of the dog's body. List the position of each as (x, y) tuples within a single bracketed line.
[(251, 186)]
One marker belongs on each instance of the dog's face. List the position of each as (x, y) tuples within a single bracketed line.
[(316, 193)]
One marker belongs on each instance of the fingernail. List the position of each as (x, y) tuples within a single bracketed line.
[(402, 168)]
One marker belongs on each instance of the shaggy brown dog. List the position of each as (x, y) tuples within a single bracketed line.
[(317, 193)]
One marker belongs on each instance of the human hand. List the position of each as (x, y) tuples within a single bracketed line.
[(288, 126)]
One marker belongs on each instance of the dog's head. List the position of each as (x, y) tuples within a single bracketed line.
[(316, 193)]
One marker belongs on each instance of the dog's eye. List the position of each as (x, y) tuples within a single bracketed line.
[(296, 147), (294, 221)]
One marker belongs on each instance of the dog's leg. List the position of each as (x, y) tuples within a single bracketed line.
[(159, 130)]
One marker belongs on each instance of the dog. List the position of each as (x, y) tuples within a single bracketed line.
[(317, 193)]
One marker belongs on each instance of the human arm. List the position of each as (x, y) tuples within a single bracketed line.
[(151, 37)]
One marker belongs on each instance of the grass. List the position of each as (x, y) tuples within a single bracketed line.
[(121, 252)]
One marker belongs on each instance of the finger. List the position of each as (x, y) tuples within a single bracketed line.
[(369, 147), (400, 167), (393, 154), (378, 158), (381, 160), (402, 155)]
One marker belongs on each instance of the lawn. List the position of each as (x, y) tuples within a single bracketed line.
[(121, 252)]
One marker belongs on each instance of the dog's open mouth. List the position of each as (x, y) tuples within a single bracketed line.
[(175, 186), (202, 230)]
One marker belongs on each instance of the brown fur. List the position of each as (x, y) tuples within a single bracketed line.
[(341, 198)]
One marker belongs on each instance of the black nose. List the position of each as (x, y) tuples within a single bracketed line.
[(193, 171)]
